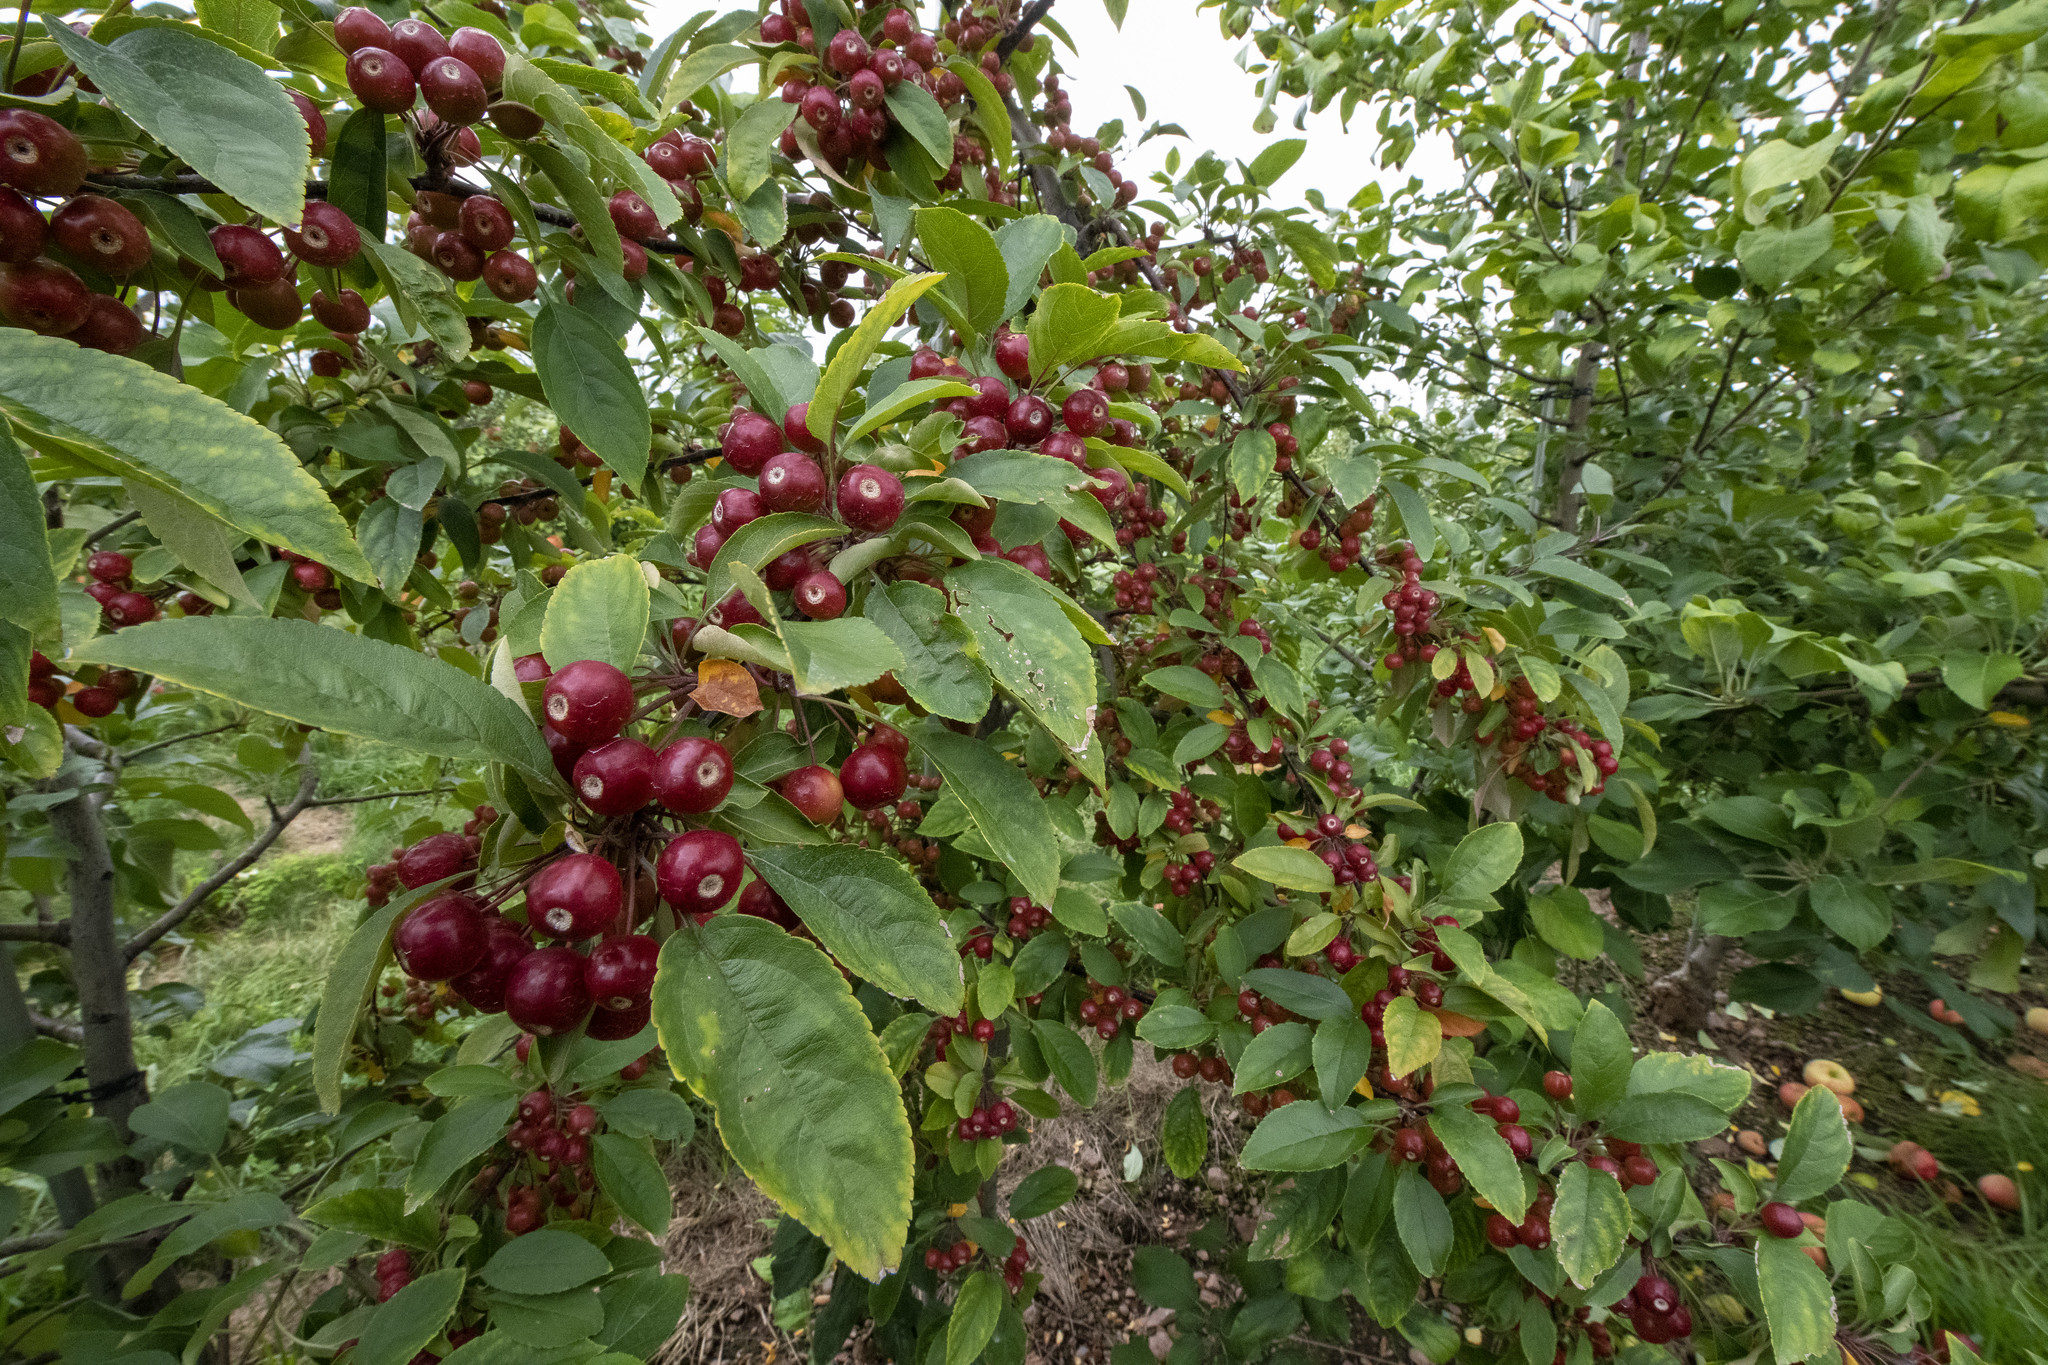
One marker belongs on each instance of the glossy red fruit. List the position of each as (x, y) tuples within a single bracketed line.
[(312, 577), (1028, 420), (616, 777), (615, 1026), (750, 441), (381, 80), (39, 155), (480, 52), (563, 750), (545, 993), (22, 230), (633, 216), (101, 234), (820, 595), (620, 971), (734, 508), (1013, 355), (699, 871), (347, 313), (457, 259), (873, 775), (588, 700), (1557, 1085), (417, 43), (485, 222), (433, 858), (43, 297), (792, 482), (454, 92), (1032, 557), (1640, 1170), (441, 938), (315, 121), (761, 901), (815, 791), (129, 609), (1502, 1232), (275, 305), (1086, 412), (848, 52), (692, 775), (870, 498), (356, 27), (95, 702), (110, 566), (1781, 1220), (504, 948), (1655, 1294), (636, 258), (325, 236), (511, 276), (575, 897), (248, 259)]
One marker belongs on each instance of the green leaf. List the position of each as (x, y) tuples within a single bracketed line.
[(582, 196), (939, 674), (1977, 678), (219, 112), (648, 1112), (1006, 809), (1421, 1219), (193, 1116), (1483, 1156), (201, 541), (33, 1067), (1027, 243), (599, 611), (28, 580), (1672, 1117), (1304, 993), (1018, 476), (750, 145), (1591, 1221), (920, 114), (1023, 636), (1068, 326), (403, 1324), (1151, 931), (1414, 1036), (1045, 1189), (641, 1313), (1798, 1304), (1860, 913), (914, 394), (977, 280), (1817, 1147), (379, 1214), (457, 1138), (1304, 1136), (1914, 258), (544, 1261), (326, 678), (356, 173), (1774, 257), (389, 535), (762, 1025), (1184, 1133), (134, 423), (590, 384), (1571, 571), (1275, 160), (1414, 512), (1342, 1053), (424, 297), (1567, 923), (1658, 1073), (981, 1300), (1484, 860), (1253, 455), (1601, 1059), (345, 993), (1283, 865), (1274, 1057), (1069, 1059), (700, 68), (1175, 1026), (631, 1178), (1190, 684), (843, 373), (871, 915)]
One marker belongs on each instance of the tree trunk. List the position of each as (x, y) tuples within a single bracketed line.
[(1577, 450), (1681, 1000), (99, 970)]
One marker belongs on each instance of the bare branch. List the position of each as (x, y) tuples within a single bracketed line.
[(116, 524), (173, 917), (132, 755), (380, 796), (59, 933), (61, 1029)]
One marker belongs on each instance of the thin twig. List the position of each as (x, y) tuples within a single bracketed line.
[(116, 524), (1025, 23), (14, 49), (173, 917), (178, 739), (379, 796)]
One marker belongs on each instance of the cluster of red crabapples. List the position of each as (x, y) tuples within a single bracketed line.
[(1107, 1008), (1349, 859), (955, 1258), (93, 699), (1342, 550)]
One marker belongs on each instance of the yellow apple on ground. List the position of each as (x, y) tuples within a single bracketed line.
[(1833, 1075), (1869, 999), (2037, 1019)]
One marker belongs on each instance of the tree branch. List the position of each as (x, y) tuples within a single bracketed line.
[(116, 524), (58, 933), (62, 1029), (1025, 23), (134, 754), (379, 796), (173, 917)]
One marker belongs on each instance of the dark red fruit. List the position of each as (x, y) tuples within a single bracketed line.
[(792, 482), (248, 259), (111, 326), (417, 43), (43, 297), (615, 1026), (848, 52), (433, 858), (588, 700), (761, 901), (381, 80), (358, 28), (546, 994), (480, 52), (870, 498), (315, 121), (95, 701), (814, 790), (39, 155), (441, 939), (1502, 1232), (699, 871), (504, 948), (22, 230), (274, 305), (620, 971), (1781, 1220), (454, 92), (129, 609), (820, 596), (511, 276), (1028, 420), (734, 508), (312, 577), (796, 427), (633, 216), (1013, 355), (325, 236), (457, 259), (347, 314), (563, 750), (616, 777), (486, 222), (102, 234), (750, 441), (110, 566), (873, 775), (1557, 1085), (1086, 412), (574, 897), (692, 775)]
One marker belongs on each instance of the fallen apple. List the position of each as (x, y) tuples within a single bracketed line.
[(1999, 1191), (1833, 1075), (1869, 999)]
